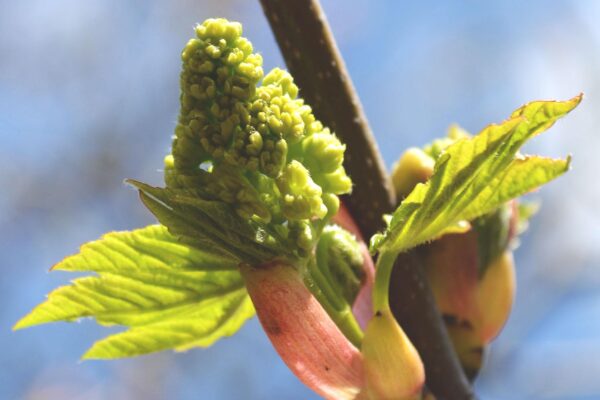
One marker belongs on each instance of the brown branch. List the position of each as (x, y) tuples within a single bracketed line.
[(312, 57)]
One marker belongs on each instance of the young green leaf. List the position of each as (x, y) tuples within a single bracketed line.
[(171, 295), (475, 175), (471, 177)]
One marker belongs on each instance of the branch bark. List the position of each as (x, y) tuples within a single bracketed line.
[(313, 58)]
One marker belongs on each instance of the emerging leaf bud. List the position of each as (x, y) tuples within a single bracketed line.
[(340, 260), (363, 304)]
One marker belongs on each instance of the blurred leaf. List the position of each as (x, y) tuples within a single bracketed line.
[(171, 295), (526, 211)]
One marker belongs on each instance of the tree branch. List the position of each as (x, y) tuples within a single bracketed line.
[(312, 57)]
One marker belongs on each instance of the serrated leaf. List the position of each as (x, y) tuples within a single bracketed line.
[(475, 175), (143, 249), (197, 325), (520, 177), (170, 294)]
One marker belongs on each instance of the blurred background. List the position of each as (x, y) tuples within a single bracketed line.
[(89, 96)]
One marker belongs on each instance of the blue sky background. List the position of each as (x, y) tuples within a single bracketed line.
[(89, 96)]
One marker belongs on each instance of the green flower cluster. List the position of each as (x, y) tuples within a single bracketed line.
[(258, 148)]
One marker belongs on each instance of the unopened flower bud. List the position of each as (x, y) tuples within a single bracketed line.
[(301, 197)]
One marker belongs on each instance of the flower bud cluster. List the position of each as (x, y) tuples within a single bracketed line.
[(258, 148)]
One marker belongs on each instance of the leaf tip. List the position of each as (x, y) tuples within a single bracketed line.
[(130, 182), (23, 323), (89, 355), (58, 266), (18, 326), (67, 263), (134, 184), (97, 352), (574, 102)]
